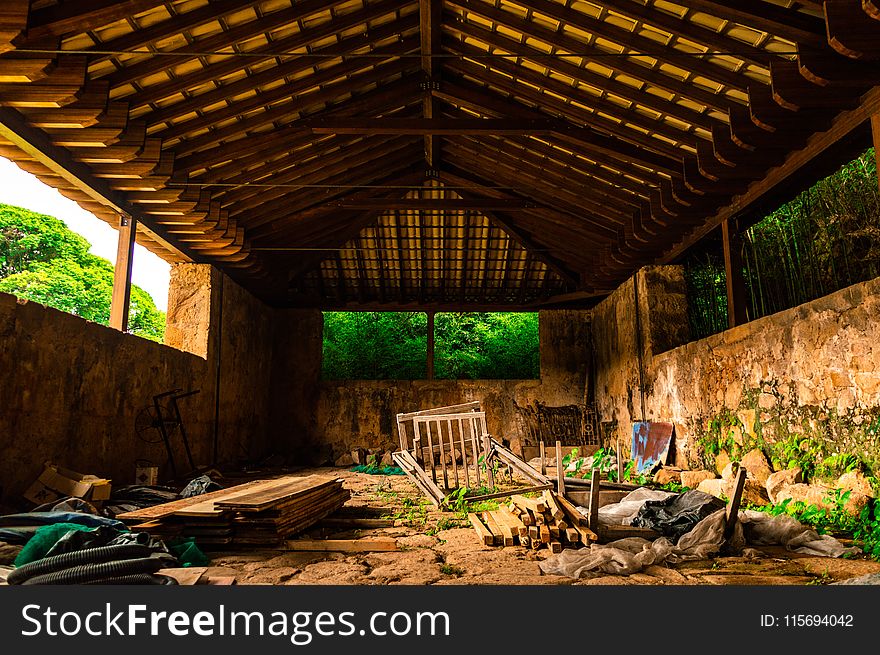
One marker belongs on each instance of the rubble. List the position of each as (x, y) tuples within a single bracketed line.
[(692, 479)]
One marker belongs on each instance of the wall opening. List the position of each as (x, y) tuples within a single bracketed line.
[(394, 346), (825, 239), (487, 346)]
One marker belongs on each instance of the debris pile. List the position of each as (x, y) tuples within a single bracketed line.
[(547, 521)]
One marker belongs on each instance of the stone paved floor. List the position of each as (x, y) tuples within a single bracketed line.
[(431, 554)]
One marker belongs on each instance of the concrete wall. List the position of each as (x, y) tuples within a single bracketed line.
[(813, 370), (360, 413), (71, 389)]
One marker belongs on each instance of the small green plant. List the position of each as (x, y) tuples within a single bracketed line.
[(449, 569), (412, 512)]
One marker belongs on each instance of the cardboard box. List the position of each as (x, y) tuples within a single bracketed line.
[(57, 482), (146, 475)]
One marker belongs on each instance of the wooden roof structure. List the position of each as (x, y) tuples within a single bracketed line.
[(454, 153)]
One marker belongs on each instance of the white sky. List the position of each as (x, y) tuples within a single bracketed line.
[(149, 271)]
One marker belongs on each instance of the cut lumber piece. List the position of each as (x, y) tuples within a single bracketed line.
[(266, 498), (370, 545), (594, 500), (560, 469), (535, 505), (483, 533), (552, 506), (412, 469), (534, 533), (554, 531), (544, 534), (506, 455), (573, 535), (496, 522), (614, 532), (513, 521), (574, 516), (555, 546), (167, 509)]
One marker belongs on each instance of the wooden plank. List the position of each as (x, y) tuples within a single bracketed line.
[(487, 459), (417, 474), (514, 521), (167, 509), (544, 534), (483, 533), (208, 506), (267, 497), (507, 456), (594, 500), (535, 505), (504, 494), (422, 126), (552, 506), (543, 462), (370, 545), (462, 408), (503, 532), (732, 515), (560, 470)]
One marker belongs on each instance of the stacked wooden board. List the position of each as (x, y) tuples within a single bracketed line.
[(546, 521), (259, 513)]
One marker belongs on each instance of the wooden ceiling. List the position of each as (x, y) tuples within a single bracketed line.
[(395, 153)]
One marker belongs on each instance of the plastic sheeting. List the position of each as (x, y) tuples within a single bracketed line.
[(625, 511), (675, 516), (628, 556)]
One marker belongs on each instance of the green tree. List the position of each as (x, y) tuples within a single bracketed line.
[(42, 260)]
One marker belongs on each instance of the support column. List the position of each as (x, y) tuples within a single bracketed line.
[(119, 302), (875, 130), (430, 367), (733, 268)]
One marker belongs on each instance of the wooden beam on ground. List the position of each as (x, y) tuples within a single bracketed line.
[(37, 144), (120, 300), (733, 268)]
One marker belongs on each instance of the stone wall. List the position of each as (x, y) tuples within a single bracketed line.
[(71, 389), (811, 371), (361, 413)]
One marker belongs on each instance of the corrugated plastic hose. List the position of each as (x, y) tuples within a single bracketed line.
[(138, 579), (91, 572), (77, 558)]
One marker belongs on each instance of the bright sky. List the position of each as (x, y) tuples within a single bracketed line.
[(149, 272)]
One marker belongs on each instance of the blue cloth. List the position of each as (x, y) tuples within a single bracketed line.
[(49, 518)]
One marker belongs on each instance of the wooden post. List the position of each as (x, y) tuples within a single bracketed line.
[(543, 463), (487, 448), (875, 131), (430, 367), (119, 302), (560, 470), (733, 508), (595, 483), (733, 268)]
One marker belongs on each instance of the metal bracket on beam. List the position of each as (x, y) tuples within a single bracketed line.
[(430, 84)]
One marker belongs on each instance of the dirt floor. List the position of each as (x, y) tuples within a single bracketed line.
[(434, 551)]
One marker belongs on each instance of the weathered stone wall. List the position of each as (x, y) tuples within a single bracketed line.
[(71, 389), (361, 413), (811, 371)]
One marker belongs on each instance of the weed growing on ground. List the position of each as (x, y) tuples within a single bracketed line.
[(449, 569)]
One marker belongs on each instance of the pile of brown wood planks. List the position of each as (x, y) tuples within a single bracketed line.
[(545, 521), (259, 513)]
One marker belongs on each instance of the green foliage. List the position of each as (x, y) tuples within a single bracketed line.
[(393, 345), (44, 261), (484, 346), (374, 345), (449, 569), (835, 519), (821, 241)]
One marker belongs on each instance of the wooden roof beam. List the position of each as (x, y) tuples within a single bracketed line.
[(216, 71), (512, 82), (778, 21), (638, 96), (851, 30), (76, 17), (622, 37), (35, 143)]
